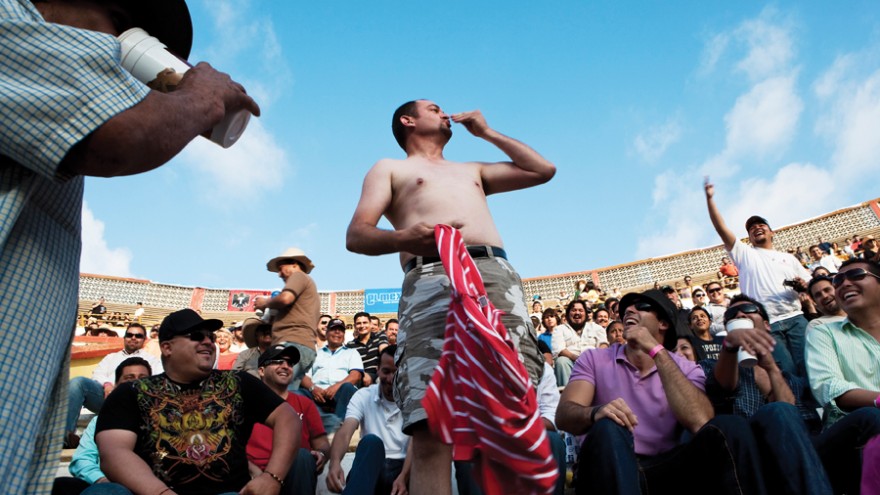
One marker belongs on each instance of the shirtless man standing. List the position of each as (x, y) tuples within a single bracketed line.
[(416, 194)]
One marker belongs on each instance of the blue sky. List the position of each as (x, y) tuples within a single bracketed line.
[(634, 102)]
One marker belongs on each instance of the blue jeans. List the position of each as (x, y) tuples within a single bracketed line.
[(840, 447), (82, 392), (467, 485), (302, 477), (789, 349), (371, 473), (306, 360), (790, 463), (721, 458), (563, 370), (339, 403)]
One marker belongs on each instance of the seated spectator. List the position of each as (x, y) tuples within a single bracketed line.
[(728, 273), (707, 345), (821, 258), (238, 343), (635, 400), (684, 347), (537, 307), (548, 401), (550, 322), (821, 271), (699, 297), (821, 291), (870, 250), (576, 336), (85, 465), (90, 393), (98, 309), (842, 359), (802, 256), (382, 460), (368, 345), (188, 427), (716, 305), (614, 333), (611, 305), (332, 380), (391, 327), (601, 317), (139, 312), (276, 370), (225, 357), (778, 405), (258, 337)]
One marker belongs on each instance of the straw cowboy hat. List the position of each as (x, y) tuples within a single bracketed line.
[(295, 254)]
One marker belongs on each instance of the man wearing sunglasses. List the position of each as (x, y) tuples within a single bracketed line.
[(772, 277), (276, 370), (185, 431), (777, 404), (635, 401), (90, 392), (842, 360), (716, 306)]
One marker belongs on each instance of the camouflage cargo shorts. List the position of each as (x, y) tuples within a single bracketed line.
[(424, 304)]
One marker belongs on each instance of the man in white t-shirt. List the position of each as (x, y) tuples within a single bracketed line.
[(773, 277)]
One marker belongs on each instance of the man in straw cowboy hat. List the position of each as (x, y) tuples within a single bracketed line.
[(298, 308), (69, 110)]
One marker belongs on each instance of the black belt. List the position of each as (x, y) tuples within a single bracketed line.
[(474, 251)]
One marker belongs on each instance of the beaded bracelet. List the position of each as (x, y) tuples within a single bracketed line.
[(276, 478)]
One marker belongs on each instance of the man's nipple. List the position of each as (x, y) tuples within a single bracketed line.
[(420, 181)]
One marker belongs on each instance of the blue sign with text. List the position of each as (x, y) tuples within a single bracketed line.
[(381, 300)]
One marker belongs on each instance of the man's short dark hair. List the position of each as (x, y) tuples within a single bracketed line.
[(397, 127), (744, 298), (136, 325), (571, 304), (375, 318), (133, 361), (325, 315), (601, 308), (390, 321), (816, 280), (361, 314), (390, 350), (873, 266)]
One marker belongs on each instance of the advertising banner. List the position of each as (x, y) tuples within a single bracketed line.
[(381, 300), (243, 300)]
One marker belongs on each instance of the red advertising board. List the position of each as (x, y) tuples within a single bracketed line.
[(243, 300)]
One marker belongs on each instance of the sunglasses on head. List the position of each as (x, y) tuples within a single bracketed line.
[(853, 275), (200, 334), (130, 335), (747, 308)]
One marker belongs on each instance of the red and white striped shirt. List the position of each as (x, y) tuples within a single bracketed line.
[(480, 398)]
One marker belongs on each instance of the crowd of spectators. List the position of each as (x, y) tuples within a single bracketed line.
[(783, 425)]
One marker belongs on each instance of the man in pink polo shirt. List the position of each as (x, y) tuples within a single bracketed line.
[(637, 401)]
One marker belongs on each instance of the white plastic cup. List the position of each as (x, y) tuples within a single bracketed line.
[(145, 57), (745, 359)]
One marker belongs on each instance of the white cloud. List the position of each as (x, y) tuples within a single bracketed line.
[(653, 143), (255, 163), (769, 42), (850, 93), (763, 120), (712, 52), (97, 257)]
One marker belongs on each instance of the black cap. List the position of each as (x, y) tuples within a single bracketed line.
[(183, 322), (667, 311), (335, 323), (277, 351), (756, 219), (666, 289)]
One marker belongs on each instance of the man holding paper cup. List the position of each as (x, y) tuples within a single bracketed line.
[(70, 109), (746, 381)]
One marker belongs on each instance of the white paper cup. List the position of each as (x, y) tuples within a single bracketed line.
[(145, 57), (745, 359)]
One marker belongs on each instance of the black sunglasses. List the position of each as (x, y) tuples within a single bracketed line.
[(200, 334), (747, 308), (278, 362), (712, 291), (853, 275), (644, 306), (130, 335)]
